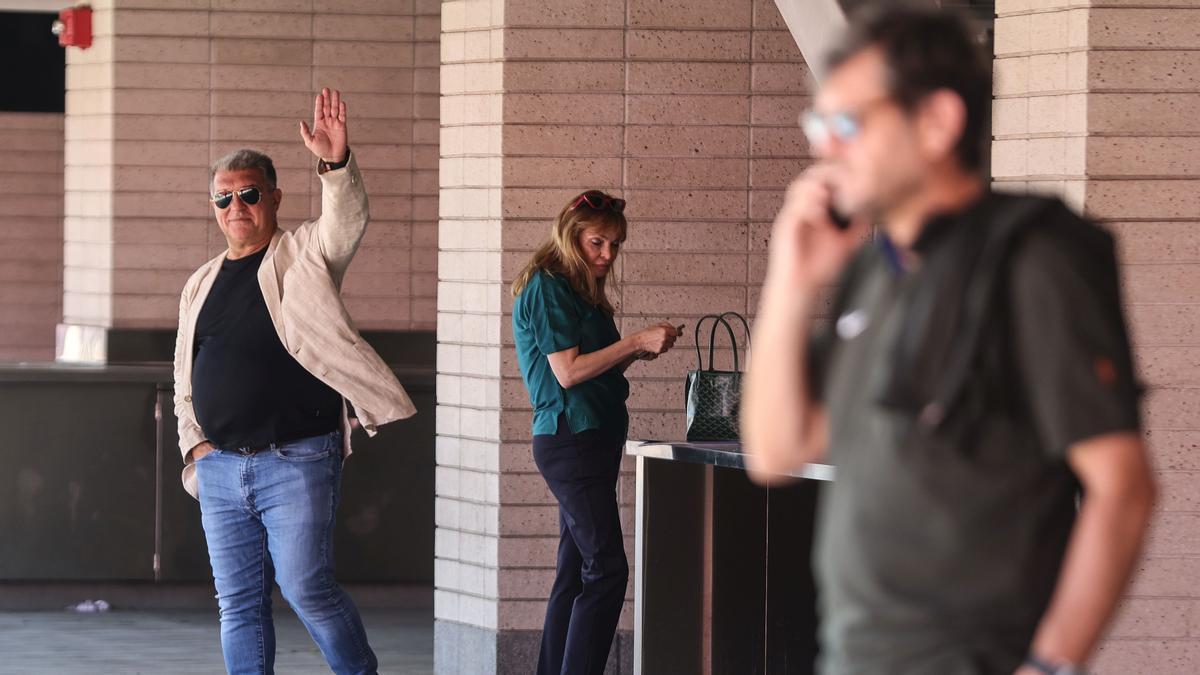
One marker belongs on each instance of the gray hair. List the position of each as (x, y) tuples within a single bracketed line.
[(245, 158)]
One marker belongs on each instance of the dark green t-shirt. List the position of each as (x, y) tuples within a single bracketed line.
[(938, 553), (548, 317)]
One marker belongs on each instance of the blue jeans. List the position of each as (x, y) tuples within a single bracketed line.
[(269, 517)]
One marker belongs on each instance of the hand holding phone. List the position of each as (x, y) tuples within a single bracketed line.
[(658, 338), (810, 240)]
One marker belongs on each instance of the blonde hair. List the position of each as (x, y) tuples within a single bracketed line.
[(561, 255)]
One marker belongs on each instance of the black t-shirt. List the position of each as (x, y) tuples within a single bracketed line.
[(938, 550), (247, 390)]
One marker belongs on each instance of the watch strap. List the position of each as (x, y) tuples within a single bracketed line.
[(324, 166), (1043, 666)]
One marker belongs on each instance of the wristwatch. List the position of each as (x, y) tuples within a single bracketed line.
[(323, 166), (1044, 666)]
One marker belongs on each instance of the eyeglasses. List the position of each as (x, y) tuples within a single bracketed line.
[(843, 125), (248, 195), (598, 201)]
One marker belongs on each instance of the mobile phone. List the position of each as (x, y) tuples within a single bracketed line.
[(839, 221)]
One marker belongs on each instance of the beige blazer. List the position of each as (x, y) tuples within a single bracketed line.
[(301, 278)]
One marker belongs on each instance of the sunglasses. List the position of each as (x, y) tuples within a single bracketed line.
[(598, 201), (843, 125), (248, 195)]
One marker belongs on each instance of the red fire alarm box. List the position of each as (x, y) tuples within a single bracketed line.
[(74, 27)]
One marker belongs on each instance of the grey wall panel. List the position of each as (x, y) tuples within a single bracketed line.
[(83, 459), (385, 523), (77, 490)]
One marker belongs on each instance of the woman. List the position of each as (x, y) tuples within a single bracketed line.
[(573, 361)]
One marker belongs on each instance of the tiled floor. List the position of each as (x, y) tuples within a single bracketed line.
[(187, 643)]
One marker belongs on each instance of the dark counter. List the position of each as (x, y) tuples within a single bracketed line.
[(413, 377), (91, 489), (722, 580)]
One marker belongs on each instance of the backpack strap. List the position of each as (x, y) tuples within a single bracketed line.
[(980, 294)]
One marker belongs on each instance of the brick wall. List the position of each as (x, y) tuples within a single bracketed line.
[(1097, 104), (31, 235), (163, 92), (689, 111)]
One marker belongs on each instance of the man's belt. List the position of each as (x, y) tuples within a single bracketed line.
[(253, 449)]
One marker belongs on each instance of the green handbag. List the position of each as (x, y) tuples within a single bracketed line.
[(713, 397)]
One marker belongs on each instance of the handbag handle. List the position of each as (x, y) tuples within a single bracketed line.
[(699, 359), (745, 325), (712, 339), (732, 338)]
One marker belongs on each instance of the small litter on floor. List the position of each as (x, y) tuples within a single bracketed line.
[(89, 607)]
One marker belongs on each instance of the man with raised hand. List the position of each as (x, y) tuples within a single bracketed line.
[(266, 359)]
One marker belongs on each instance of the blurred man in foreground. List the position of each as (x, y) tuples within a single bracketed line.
[(974, 377)]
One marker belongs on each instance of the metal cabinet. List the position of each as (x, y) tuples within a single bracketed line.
[(91, 488), (77, 495)]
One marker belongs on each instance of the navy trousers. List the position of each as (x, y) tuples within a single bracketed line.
[(589, 587)]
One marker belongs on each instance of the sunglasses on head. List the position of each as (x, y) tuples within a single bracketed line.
[(248, 195), (599, 201)]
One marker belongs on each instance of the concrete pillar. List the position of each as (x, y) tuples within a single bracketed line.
[(467, 542), (165, 91), (688, 110), (1097, 104)]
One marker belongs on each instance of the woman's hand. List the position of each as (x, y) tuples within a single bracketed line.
[(658, 339), (570, 367)]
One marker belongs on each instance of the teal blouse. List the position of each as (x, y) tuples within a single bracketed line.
[(549, 316)]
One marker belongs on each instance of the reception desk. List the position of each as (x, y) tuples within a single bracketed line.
[(722, 579)]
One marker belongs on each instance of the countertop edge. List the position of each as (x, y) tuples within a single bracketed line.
[(724, 455)]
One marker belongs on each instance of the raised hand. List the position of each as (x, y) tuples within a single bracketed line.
[(327, 139)]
